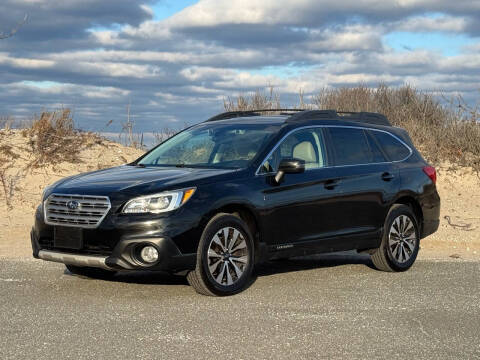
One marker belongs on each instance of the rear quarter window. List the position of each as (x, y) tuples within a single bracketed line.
[(377, 154), (393, 148)]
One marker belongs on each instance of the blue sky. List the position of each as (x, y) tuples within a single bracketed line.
[(441, 42), (176, 61), (445, 42), (167, 8)]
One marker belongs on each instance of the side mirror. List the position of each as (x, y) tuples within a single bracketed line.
[(289, 166)]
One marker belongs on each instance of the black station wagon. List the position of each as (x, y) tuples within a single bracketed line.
[(244, 187)]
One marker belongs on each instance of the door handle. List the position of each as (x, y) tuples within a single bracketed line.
[(331, 184), (386, 176)]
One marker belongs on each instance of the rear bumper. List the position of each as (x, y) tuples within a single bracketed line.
[(429, 227), (430, 204)]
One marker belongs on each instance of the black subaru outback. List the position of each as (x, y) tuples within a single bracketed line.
[(243, 187)]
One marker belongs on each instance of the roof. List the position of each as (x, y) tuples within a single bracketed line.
[(299, 115)]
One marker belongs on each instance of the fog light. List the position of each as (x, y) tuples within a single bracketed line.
[(149, 254)]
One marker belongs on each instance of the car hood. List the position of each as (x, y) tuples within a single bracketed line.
[(137, 180)]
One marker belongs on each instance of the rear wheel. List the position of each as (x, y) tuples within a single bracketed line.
[(400, 241), (90, 271), (225, 257)]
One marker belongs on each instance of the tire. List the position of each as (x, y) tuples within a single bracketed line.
[(400, 241), (90, 271), (221, 271)]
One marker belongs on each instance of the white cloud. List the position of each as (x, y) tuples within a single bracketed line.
[(428, 23), (88, 91), (307, 12), (112, 69), (472, 48), (349, 38), (109, 38), (20, 62), (196, 73), (147, 9), (183, 66), (149, 30)]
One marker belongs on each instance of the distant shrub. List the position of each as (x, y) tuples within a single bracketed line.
[(10, 175), (128, 136), (53, 138), (256, 101)]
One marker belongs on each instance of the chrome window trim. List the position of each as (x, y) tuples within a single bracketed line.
[(75, 225), (257, 173)]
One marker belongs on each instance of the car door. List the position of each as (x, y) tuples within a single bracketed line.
[(301, 208), (368, 181)]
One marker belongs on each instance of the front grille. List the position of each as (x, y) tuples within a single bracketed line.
[(76, 210)]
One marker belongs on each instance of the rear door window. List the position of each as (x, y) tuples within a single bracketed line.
[(394, 149), (350, 146)]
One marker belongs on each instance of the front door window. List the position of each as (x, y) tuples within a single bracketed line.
[(305, 144)]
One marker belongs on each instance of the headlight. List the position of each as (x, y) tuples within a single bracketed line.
[(158, 203)]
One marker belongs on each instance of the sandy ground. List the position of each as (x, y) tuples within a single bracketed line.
[(17, 221), (459, 232), (457, 237)]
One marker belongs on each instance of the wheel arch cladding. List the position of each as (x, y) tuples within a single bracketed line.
[(248, 216), (415, 206)]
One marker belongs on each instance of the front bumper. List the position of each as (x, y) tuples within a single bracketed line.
[(115, 245), (123, 256)]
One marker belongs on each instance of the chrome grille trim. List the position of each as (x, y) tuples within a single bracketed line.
[(90, 214)]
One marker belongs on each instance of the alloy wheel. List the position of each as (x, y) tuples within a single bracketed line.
[(227, 256), (402, 238)]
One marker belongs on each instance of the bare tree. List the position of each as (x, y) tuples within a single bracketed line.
[(15, 29)]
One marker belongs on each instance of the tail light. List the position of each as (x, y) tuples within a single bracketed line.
[(431, 173)]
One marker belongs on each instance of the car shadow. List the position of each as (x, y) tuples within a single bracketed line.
[(136, 277), (311, 262), (268, 268)]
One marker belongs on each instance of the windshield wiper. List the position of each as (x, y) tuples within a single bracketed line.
[(180, 165), (136, 164)]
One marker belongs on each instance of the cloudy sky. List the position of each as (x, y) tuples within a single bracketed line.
[(175, 60)]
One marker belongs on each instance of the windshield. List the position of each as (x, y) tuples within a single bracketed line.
[(212, 145)]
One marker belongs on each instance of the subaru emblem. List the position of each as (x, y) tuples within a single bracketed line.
[(73, 205)]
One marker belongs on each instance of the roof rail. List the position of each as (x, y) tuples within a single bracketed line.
[(363, 117), (313, 114), (245, 113), (302, 114)]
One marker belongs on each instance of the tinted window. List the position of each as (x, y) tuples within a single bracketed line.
[(212, 145), (350, 146), (394, 149), (307, 145), (377, 155)]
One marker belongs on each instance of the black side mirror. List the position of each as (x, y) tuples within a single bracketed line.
[(289, 166)]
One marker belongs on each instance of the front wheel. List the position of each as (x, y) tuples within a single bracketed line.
[(225, 257), (400, 241)]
